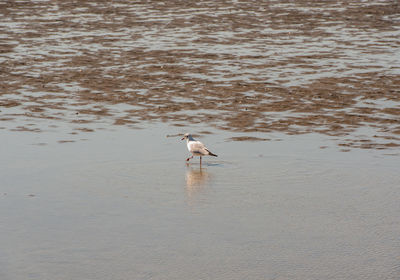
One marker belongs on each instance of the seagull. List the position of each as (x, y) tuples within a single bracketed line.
[(196, 147)]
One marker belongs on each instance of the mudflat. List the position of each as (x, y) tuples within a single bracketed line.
[(294, 67)]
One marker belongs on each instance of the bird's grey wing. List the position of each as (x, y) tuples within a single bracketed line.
[(198, 148)]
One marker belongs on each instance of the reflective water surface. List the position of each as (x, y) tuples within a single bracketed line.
[(125, 205)]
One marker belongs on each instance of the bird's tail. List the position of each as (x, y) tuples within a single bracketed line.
[(211, 154)]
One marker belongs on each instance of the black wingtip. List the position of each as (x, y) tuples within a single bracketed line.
[(210, 154)]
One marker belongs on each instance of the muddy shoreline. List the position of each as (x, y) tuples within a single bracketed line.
[(330, 68)]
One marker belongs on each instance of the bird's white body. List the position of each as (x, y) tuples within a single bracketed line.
[(197, 148)]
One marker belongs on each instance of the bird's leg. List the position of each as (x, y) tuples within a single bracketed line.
[(189, 158), (200, 160)]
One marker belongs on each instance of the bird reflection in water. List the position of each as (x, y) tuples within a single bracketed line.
[(196, 181)]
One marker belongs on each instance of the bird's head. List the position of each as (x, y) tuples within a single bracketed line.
[(185, 136)]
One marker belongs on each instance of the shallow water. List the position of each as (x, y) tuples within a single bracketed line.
[(124, 205)]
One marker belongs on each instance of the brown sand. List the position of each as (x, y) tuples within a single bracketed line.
[(301, 67)]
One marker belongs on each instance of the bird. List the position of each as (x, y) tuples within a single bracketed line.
[(196, 147)]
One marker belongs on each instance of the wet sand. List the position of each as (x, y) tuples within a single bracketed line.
[(277, 66)]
